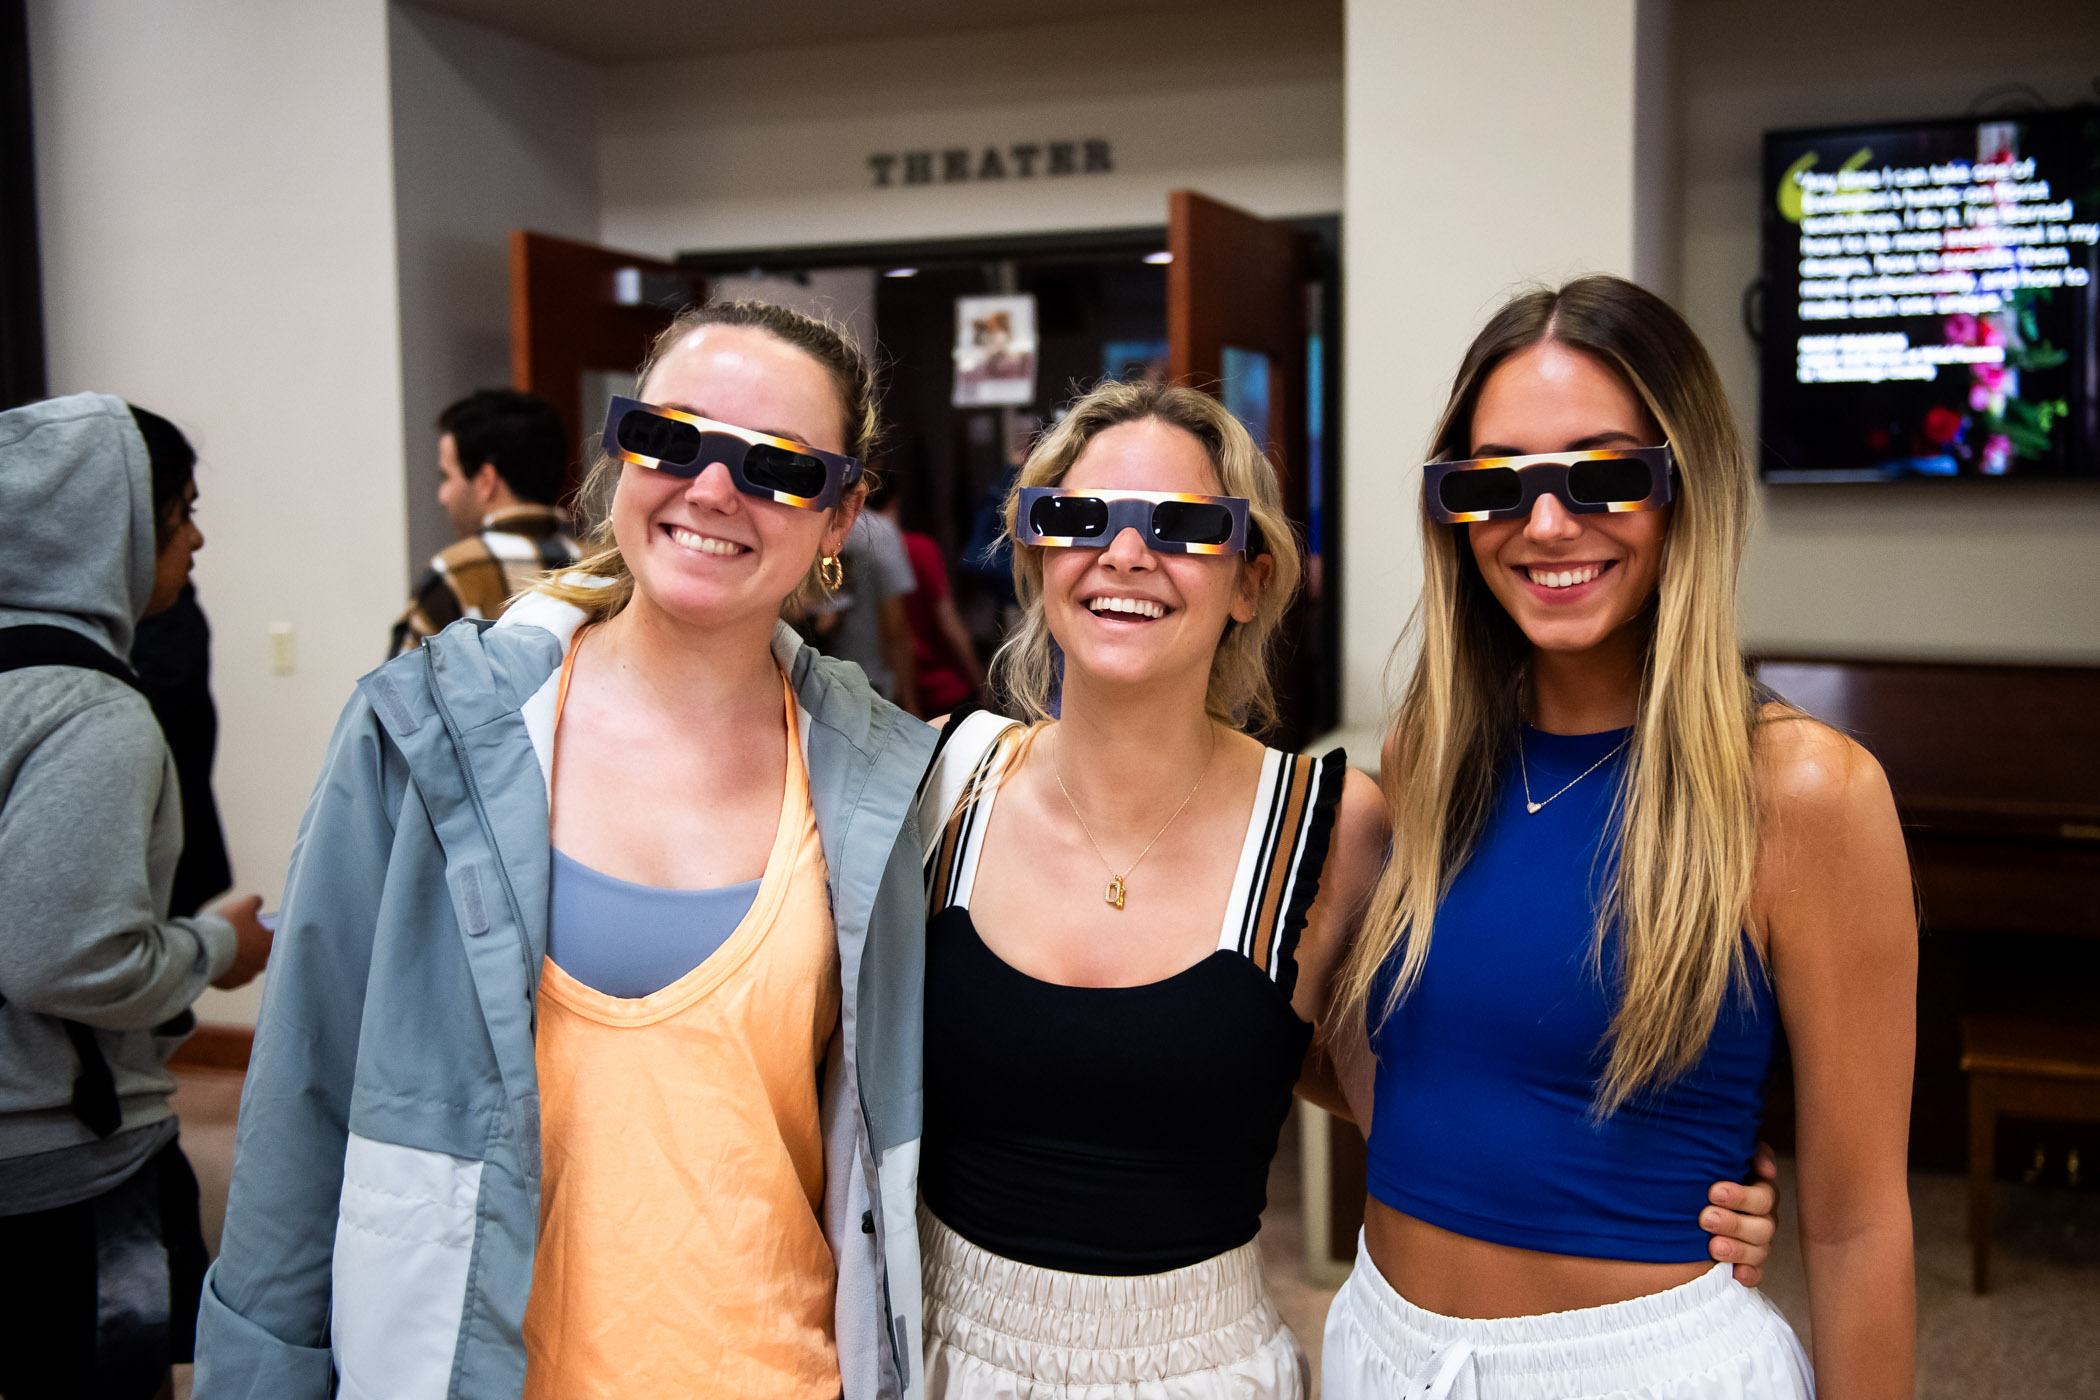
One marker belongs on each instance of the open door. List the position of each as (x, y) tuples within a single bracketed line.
[(1239, 323), (579, 313)]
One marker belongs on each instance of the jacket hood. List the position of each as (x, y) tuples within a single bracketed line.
[(76, 518)]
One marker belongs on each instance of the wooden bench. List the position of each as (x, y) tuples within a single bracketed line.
[(2025, 1069)]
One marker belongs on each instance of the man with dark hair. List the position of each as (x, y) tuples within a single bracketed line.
[(503, 460)]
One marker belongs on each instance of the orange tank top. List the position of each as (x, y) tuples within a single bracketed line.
[(680, 1248)]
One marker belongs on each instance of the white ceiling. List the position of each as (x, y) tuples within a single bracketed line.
[(621, 31)]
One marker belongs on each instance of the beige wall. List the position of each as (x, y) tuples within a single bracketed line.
[(1244, 106), (490, 134), (217, 214), (1453, 199), (1991, 570)]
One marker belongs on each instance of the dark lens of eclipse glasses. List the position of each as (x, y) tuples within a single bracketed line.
[(1191, 522), (1069, 517), (1487, 488), (1610, 481), (777, 469), (678, 448), (675, 444)]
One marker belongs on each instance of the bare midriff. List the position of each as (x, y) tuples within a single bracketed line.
[(1458, 1276)]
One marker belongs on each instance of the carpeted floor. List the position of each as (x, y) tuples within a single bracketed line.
[(2037, 1334)]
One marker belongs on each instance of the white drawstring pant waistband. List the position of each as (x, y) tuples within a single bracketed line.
[(1710, 1339), (998, 1329)]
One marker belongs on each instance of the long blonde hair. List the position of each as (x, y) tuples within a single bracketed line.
[(1239, 694), (1686, 807), (860, 401)]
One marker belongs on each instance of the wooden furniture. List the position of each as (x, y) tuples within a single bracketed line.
[(2025, 1069), (1996, 775), (1996, 771)]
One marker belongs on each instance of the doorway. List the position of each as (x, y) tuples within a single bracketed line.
[(1246, 309)]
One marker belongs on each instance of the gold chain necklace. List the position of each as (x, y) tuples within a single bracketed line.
[(1117, 887), (1531, 808)]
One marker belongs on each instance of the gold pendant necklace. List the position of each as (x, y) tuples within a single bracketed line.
[(1531, 808), (1117, 886)]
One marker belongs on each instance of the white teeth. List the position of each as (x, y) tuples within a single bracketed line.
[(1141, 607), (1563, 578), (704, 544)]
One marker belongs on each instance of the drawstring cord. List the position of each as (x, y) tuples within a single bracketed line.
[(1440, 1372)]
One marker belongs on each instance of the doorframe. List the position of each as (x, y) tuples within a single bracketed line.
[(1034, 247)]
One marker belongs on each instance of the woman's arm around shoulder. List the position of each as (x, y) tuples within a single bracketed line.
[(1832, 899), (1338, 1068)]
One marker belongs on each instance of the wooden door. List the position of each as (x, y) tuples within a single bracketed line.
[(1237, 327), (1238, 284), (576, 308)]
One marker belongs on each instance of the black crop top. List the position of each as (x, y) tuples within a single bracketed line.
[(1114, 1130)]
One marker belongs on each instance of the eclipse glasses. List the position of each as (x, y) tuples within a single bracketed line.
[(1585, 483), (1171, 522), (770, 468)]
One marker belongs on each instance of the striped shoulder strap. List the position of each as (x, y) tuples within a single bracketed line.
[(948, 823), (1280, 865)]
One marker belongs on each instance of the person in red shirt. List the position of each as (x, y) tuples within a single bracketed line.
[(945, 656)]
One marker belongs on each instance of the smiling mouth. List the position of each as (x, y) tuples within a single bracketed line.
[(704, 544), (1133, 609), (1568, 577)]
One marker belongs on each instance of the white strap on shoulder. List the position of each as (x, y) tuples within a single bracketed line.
[(975, 734)]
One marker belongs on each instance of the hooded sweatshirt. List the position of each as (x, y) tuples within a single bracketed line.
[(90, 815)]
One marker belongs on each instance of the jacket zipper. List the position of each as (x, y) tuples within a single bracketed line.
[(488, 831)]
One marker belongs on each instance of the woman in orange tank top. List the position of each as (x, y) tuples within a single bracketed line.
[(681, 1248), (590, 1065)]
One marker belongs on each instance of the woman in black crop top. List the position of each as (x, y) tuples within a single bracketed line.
[(1136, 910), (1618, 868)]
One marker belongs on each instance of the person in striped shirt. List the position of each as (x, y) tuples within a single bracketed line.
[(503, 462)]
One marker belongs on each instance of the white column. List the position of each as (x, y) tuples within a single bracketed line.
[(215, 185), (1489, 145)]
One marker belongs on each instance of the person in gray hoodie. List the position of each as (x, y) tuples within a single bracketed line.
[(98, 1210)]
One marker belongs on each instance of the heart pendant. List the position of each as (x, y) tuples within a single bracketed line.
[(1533, 806), (1114, 894)]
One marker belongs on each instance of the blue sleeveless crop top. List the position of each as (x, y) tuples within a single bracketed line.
[(1487, 1070)]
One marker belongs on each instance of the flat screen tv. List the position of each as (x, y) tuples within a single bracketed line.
[(1930, 298)]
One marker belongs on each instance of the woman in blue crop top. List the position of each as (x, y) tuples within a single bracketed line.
[(1637, 869)]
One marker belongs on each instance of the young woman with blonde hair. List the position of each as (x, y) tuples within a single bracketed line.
[(589, 1063), (1618, 869), (1137, 909)]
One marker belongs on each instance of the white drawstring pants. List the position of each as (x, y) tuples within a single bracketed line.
[(996, 1328), (1710, 1339)]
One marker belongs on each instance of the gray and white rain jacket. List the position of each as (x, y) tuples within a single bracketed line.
[(386, 1182)]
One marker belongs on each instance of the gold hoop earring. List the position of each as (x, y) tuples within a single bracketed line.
[(832, 573)]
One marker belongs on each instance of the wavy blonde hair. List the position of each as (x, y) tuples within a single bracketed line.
[(1686, 807), (1024, 670), (860, 404)]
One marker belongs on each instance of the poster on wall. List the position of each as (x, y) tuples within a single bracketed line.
[(994, 351)]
